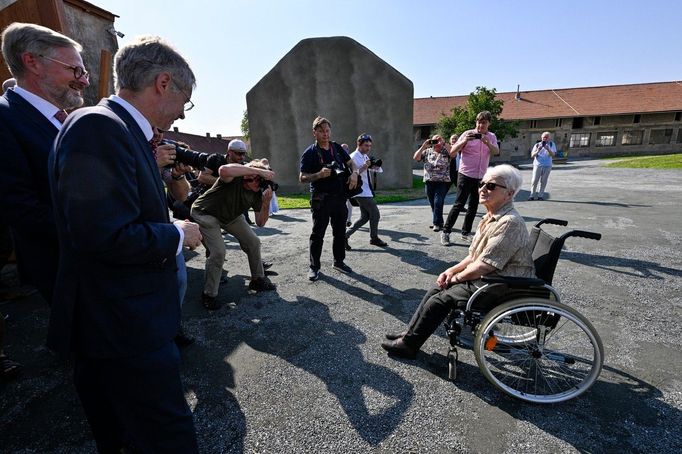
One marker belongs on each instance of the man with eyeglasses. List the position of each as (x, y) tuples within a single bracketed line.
[(49, 79), (116, 305)]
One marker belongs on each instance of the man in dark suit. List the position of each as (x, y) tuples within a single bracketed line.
[(50, 78), (116, 298)]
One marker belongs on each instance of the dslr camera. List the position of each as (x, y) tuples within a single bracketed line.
[(477, 135), (264, 184), (196, 159), (336, 168), (374, 162)]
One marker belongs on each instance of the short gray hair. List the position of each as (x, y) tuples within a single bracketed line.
[(19, 38), (510, 176), (137, 64)]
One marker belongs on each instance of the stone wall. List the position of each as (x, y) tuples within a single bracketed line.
[(341, 80)]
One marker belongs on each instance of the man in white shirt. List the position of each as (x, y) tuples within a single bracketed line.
[(50, 78), (369, 211)]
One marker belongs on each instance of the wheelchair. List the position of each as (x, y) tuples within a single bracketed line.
[(526, 342)]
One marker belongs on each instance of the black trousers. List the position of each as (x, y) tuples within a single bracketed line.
[(136, 402), (467, 188), (434, 307), (326, 208)]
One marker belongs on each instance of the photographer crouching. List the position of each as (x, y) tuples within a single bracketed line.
[(238, 188)]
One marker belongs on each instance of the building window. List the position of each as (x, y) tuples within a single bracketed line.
[(678, 116), (606, 139), (424, 132), (660, 136), (632, 137), (636, 118), (578, 122), (597, 121), (533, 124), (557, 123), (580, 140)]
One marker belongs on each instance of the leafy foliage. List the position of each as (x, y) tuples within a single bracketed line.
[(464, 118), (245, 125)]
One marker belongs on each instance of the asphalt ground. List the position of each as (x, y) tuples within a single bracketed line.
[(301, 369)]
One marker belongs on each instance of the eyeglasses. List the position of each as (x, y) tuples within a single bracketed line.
[(78, 72), (490, 186), (189, 105)]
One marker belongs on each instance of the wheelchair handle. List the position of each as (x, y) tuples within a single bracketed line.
[(584, 234), (552, 221)]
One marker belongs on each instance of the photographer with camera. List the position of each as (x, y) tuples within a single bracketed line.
[(475, 147), (238, 188), (369, 211), (325, 165), (436, 161), (542, 154)]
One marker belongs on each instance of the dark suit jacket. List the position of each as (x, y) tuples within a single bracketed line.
[(117, 292), (26, 138)]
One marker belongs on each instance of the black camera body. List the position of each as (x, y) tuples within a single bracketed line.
[(336, 168), (264, 184), (433, 141), (478, 135), (374, 162), (196, 159)]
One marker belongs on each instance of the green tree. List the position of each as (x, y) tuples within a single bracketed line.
[(245, 125), (464, 118)]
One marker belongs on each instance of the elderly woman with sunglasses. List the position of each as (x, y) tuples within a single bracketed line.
[(501, 246)]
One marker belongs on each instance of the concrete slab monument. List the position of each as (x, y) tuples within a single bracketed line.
[(341, 80)]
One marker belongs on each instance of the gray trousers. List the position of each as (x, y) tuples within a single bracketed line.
[(540, 175), (213, 239), (369, 211)]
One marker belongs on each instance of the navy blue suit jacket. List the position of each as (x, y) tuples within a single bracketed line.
[(26, 138), (117, 292)]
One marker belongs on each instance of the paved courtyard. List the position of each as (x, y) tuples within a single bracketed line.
[(301, 369)]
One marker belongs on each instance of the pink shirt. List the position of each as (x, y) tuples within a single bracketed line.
[(475, 155)]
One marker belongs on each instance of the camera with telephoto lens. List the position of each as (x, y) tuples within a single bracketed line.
[(196, 159), (374, 162)]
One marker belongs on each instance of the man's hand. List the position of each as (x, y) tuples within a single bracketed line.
[(267, 196), (353, 180), (266, 174), (165, 155), (325, 172), (192, 233)]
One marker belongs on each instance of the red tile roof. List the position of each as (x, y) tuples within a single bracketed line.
[(202, 143), (566, 102)]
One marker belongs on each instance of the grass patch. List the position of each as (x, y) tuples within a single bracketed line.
[(291, 201), (668, 161)]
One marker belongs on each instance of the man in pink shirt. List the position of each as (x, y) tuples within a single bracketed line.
[(475, 147)]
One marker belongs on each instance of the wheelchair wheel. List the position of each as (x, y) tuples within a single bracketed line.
[(538, 351)]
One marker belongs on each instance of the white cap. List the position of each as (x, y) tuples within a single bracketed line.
[(236, 145)]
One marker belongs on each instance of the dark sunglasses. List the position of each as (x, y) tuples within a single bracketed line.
[(249, 180), (490, 186)]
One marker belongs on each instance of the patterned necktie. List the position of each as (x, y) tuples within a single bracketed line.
[(61, 116), (153, 143)]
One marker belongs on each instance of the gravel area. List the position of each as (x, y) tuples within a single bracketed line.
[(301, 369)]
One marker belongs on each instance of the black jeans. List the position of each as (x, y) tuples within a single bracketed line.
[(467, 188), (326, 208), (434, 307)]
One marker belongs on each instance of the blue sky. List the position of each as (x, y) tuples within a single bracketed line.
[(445, 47)]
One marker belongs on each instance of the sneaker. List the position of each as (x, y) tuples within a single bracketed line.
[(340, 266), (267, 265), (540, 198), (377, 242), (437, 228), (313, 275), (261, 284), (431, 227), (346, 244), (445, 238), (530, 199)]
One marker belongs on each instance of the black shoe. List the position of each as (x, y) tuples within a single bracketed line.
[(346, 244), (267, 265), (313, 275), (394, 336), (340, 266), (348, 224), (182, 339), (378, 242), (209, 302), (540, 198), (398, 348), (261, 284)]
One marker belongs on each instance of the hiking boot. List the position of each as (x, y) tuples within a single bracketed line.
[(261, 284), (340, 266)]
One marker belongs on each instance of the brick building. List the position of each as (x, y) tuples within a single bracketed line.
[(590, 121)]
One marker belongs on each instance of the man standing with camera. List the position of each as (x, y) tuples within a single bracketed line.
[(542, 154), (369, 211), (475, 147), (322, 165), (238, 188)]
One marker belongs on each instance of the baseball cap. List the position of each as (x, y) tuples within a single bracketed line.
[(237, 145)]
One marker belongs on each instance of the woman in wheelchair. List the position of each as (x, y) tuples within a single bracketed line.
[(501, 246)]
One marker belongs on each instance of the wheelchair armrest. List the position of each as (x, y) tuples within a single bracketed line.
[(514, 281)]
